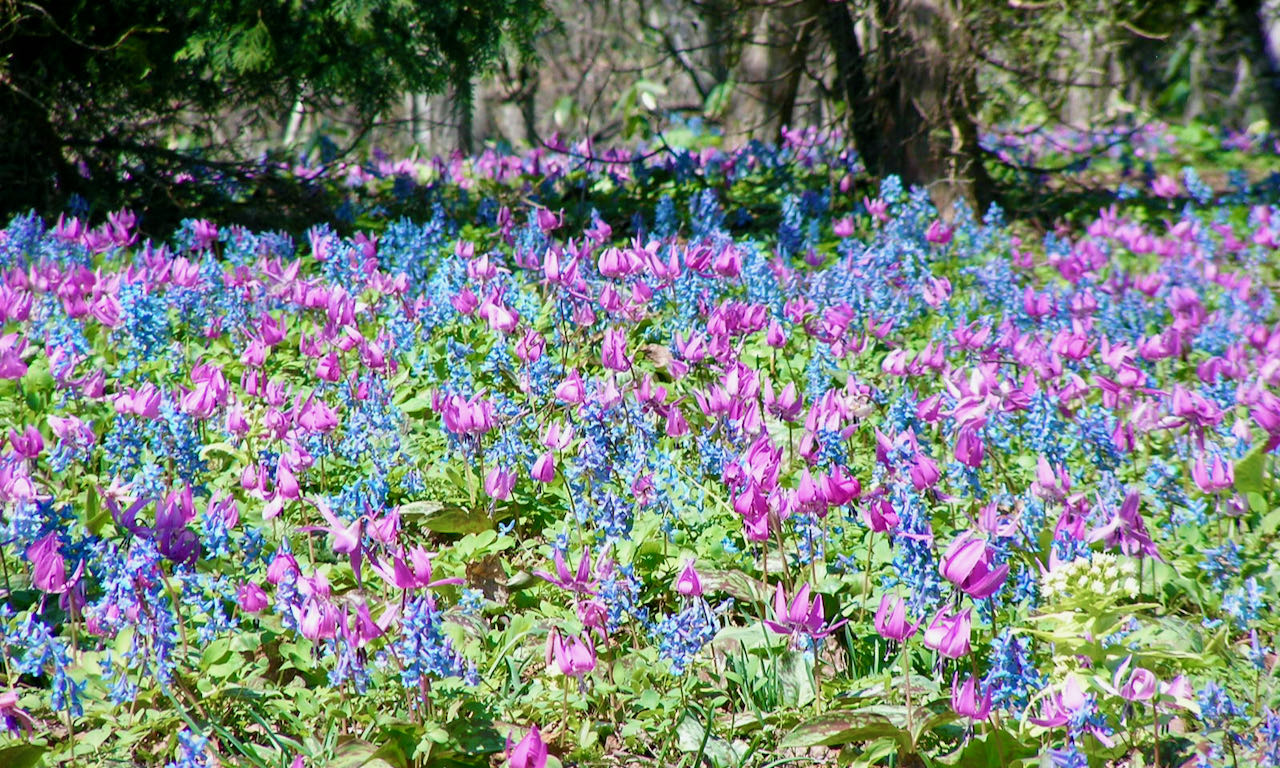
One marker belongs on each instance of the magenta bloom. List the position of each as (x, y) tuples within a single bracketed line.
[(12, 366), (924, 472), (15, 720), (969, 448), (965, 701), (574, 657), (48, 568), (1216, 475), (1137, 685), (29, 444), (968, 564), (251, 598), (580, 582), (688, 582), (544, 468), (529, 753), (800, 615), (571, 390), (880, 516), (499, 482), (613, 354), (948, 633), (891, 619), (1127, 530)]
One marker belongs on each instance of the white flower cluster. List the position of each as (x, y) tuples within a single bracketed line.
[(1103, 578)]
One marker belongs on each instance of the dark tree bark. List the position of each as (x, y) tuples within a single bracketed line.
[(1251, 27), (910, 96)]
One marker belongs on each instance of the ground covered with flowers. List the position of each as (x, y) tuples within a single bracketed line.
[(762, 470)]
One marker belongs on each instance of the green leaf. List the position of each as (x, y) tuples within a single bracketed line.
[(356, 753), (1249, 471), (447, 518), (223, 448), (736, 584), (216, 652), (22, 755), (832, 729), (718, 99), (990, 750), (795, 674), (416, 404)]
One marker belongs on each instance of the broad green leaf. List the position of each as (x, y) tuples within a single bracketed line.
[(416, 404), (446, 518), (1249, 471), (795, 673), (832, 729), (22, 755)]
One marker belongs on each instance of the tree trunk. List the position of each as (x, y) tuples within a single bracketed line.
[(911, 97), (1252, 29), (34, 174), (771, 67)]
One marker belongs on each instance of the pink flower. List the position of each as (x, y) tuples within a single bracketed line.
[(251, 598), (613, 353), (1127, 530), (948, 633), (1138, 685), (938, 233), (499, 482), (571, 390), (728, 263), (544, 468), (688, 583), (531, 346), (15, 720), (891, 619), (969, 448), (878, 209), (574, 657), (29, 444), (924, 472), (465, 301), (529, 753), (965, 701), (800, 615), (329, 368), (581, 582), (1216, 475), (1164, 186), (48, 569), (880, 516), (968, 564)]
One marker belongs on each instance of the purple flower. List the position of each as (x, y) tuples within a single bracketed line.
[(948, 633), (48, 569), (891, 619), (965, 701), (529, 753), (15, 720), (800, 615), (688, 583), (1127, 530), (968, 564)]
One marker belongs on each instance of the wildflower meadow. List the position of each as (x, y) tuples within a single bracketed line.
[(692, 458)]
